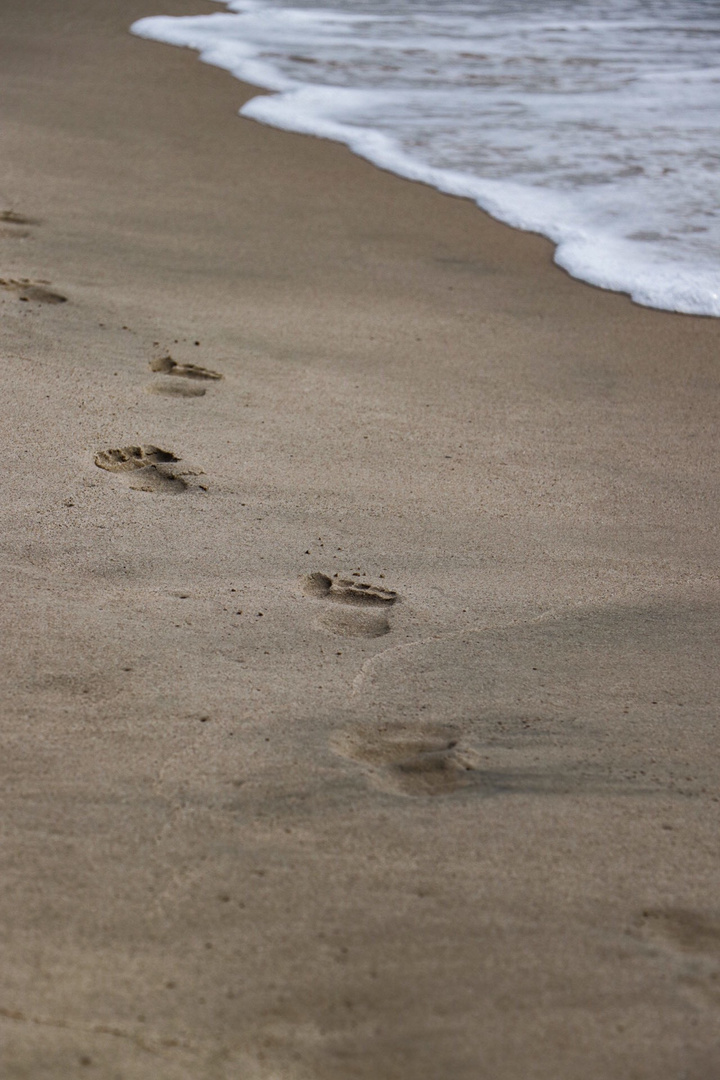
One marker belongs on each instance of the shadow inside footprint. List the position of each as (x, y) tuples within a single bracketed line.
[(431, 772), (154, 479), (347, 591), (11, 217), (369, 624), (165, 365), (148, 465), (176, 389), (32, 290)]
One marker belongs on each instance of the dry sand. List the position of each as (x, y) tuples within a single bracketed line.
[(263, 825)]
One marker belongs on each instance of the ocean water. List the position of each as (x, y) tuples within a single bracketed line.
[(597, 125)]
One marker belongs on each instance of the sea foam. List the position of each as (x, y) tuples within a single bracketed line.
[(598, 129)]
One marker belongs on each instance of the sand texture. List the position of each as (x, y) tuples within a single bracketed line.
[(360, 610)]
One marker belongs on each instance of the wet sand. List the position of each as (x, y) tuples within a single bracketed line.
[(359, 705)]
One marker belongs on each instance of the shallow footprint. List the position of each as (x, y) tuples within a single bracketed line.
[(165, 365), (688, 931), (347, 591), (32, 290), (692, 939), (148, 463), (14, 221), (11, 217), (410, 762), (173, 389)]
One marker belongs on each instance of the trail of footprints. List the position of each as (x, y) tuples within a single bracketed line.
[(401, 759), (153, 468), (16, 226), (406, 760)]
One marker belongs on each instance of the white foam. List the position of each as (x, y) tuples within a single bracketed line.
[(601, 133)]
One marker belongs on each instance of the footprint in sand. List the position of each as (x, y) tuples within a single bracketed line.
[(410, 762), (688, 931), (370, 604), (438, 759), (692, 938), (15, 223), (165, 365), (11, 217), (149, 464), (32, 290)]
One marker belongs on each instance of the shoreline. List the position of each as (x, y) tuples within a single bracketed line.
[(685, 289), (263, 824)]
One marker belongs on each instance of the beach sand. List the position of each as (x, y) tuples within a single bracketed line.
[(455, 819)]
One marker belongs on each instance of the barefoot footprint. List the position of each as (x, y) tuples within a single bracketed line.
[(430, 762), (683, 929), (436, 759), (11, 217), (345, 591), (149, 462), (691, 942), (32, 290), (14, 223)]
